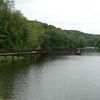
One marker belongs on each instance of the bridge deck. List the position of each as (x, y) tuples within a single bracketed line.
[(17, 54)]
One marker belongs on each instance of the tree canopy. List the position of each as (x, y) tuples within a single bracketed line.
[(19, 33)]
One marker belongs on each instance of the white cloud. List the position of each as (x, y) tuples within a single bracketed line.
[(83, 15)]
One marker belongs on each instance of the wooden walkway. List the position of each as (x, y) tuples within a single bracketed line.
[(22, 53), (18, 53), (33, 52)]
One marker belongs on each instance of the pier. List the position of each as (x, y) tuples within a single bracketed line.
[(44, 51)]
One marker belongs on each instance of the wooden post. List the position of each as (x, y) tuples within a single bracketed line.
[(12, 58), (18, 57)]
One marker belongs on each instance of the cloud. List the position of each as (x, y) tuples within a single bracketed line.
[(82, 15)]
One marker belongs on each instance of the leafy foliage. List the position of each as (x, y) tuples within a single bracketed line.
[(18, 33)]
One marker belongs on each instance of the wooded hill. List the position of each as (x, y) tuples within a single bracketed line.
[(19, 33)]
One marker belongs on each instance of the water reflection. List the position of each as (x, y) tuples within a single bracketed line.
[(54, 77), (14, 76)]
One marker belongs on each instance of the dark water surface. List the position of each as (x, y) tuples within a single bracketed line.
[(52, 78)]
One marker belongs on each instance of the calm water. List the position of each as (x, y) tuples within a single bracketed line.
[(52, 78)]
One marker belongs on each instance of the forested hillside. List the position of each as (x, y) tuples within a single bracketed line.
[(19, 33)]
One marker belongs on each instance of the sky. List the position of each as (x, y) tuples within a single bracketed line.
[(82, 15)]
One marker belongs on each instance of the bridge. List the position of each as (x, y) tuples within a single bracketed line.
[(31, 52)]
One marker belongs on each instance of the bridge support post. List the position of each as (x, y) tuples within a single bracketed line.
[(12, 58)]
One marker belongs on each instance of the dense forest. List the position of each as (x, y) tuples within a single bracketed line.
[(19, 33)]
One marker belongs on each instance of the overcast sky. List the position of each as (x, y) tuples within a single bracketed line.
[(83, 15)]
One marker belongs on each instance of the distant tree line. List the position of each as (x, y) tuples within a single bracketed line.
[(19, 33)]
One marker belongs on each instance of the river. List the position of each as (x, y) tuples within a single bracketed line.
[(55, 77)]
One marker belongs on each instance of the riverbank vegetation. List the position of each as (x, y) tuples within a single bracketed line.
[(19, 33)]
